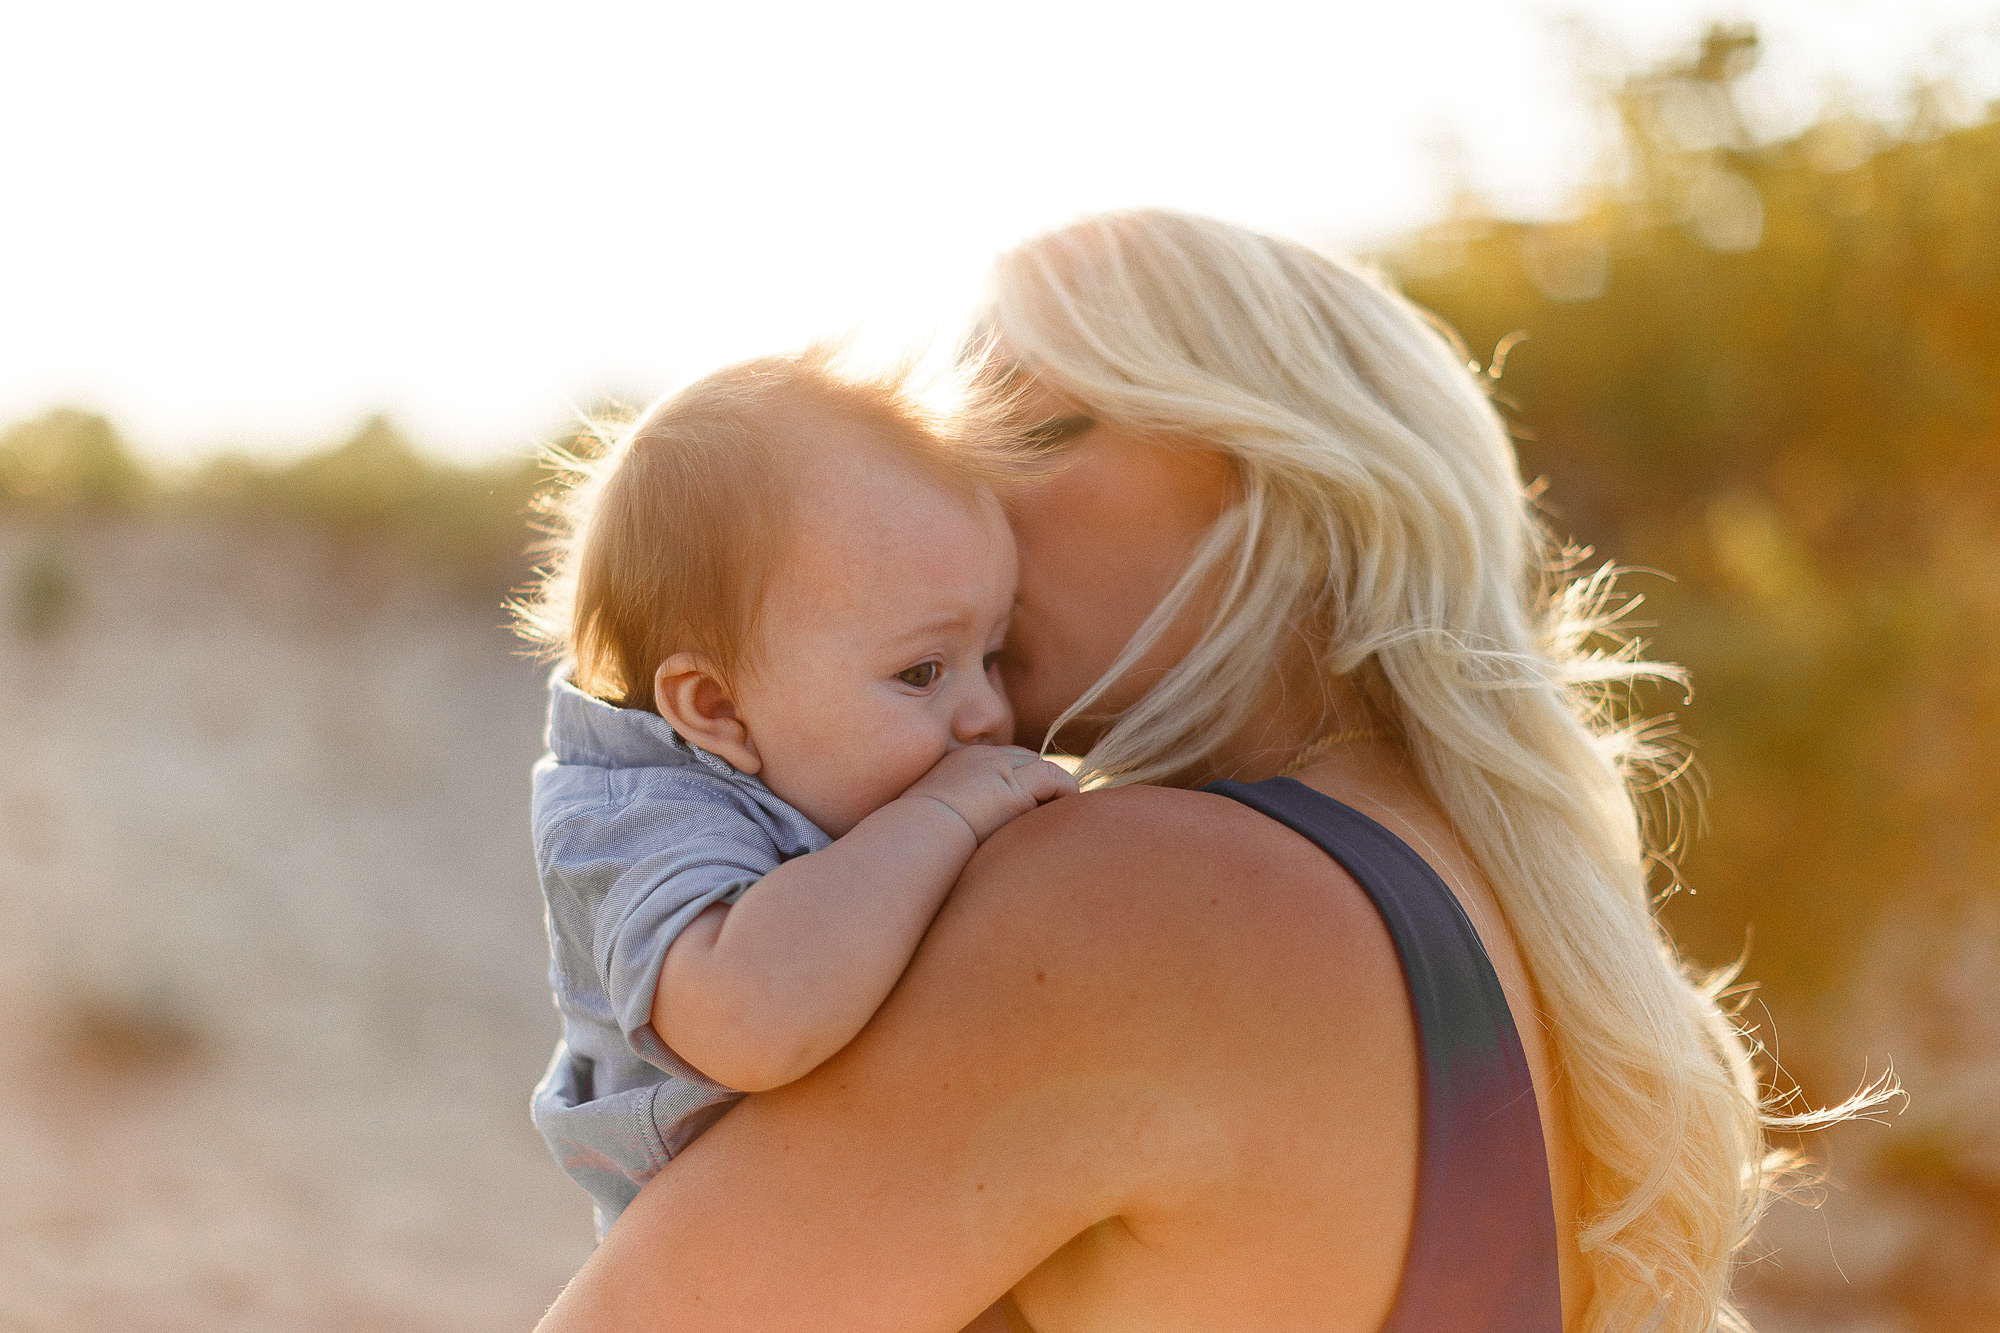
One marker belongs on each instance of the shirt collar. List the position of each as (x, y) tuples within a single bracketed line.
[(584, 729)]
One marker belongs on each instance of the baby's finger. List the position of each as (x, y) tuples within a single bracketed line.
[(1045, 781)]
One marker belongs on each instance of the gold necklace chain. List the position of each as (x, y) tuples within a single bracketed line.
[(1325, 743)]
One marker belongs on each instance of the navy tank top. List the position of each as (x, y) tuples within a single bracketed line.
[(1482, 1256)]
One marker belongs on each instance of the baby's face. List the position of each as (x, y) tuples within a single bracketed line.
[(879, 634)]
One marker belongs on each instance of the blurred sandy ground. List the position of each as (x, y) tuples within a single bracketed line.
[(271, 995), (1900, 1233)]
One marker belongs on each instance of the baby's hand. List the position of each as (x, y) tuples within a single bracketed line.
[(987, 785)]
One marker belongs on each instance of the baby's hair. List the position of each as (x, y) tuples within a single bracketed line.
[(665, 536)]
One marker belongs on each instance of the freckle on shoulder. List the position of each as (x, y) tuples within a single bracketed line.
[(1153, 852), (1106, 867), (1144, 892)]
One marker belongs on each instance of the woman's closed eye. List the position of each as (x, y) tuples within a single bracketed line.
[(921, 676), (1046, 436)]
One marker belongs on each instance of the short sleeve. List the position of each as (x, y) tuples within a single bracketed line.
[(632, 875)]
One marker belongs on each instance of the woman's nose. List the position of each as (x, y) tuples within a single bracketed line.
[(984, 717)]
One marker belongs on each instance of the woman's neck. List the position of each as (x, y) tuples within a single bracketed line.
[(1297, 707)]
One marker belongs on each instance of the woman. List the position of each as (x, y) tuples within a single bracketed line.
[(1162, 1062)]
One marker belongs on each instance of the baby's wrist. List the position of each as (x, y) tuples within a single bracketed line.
[(951, 812)]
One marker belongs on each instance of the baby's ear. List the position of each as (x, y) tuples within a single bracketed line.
[(692, 697)]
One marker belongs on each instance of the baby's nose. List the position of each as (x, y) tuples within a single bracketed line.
[(984, 718)]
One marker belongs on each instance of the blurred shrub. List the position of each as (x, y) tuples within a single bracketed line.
[(1773, 369), (468, 523), (68, 461), (44, 592)]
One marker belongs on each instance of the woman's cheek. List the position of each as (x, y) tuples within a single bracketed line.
[(1044, 681), (1024, 663), (1066, 636)]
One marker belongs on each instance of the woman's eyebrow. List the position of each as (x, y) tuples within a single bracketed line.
[(1056, 431)]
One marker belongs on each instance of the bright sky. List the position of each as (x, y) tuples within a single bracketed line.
[(249, 224)]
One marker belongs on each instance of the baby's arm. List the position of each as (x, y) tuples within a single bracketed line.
[(756, 993)]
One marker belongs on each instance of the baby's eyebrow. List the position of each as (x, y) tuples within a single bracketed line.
[(926, 631), (937, 621)]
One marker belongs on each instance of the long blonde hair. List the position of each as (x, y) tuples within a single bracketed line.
[(1382, 502)]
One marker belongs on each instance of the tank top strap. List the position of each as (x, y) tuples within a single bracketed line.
[(1482, 1253)]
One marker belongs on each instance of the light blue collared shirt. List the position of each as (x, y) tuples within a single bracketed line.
[(636, 832)]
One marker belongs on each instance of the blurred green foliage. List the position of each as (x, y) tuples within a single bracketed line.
[(1773, 369), (464, 522), (68, 461)]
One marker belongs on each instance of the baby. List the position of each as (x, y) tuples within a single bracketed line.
[(779, 739)]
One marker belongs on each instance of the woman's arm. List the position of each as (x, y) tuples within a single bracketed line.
[(1046, 1064)]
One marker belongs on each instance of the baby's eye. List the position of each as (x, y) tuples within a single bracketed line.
[(919, 676)]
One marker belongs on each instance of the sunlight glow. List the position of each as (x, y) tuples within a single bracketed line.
[(238, 224)]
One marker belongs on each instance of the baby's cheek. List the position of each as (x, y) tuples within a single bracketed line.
[(896, 757), (839, 794), (837, 777), (812, 772), (895, 769)]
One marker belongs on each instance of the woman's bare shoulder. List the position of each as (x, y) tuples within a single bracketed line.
[(1137, 831), (1174, 889), (1201, 981), (1154, 851)]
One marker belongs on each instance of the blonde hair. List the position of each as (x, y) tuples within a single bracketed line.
[(1382, 501), (665, 539)]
